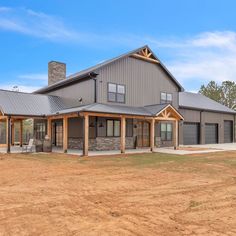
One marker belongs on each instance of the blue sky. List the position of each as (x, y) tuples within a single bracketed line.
[(195, 39)]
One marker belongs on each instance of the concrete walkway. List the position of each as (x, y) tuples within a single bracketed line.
[(185, 152), (206, 148)]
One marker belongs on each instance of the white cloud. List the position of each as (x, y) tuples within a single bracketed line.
[(37, 24), (204, 57)]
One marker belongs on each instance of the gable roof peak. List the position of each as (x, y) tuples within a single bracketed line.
[(144, 53)]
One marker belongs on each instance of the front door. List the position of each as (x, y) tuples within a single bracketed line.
[(143, 137), (57, 133)]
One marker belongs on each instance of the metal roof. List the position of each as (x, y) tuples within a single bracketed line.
[(109, 108), (201, 102), (27, 104), (156, 108), (85, 73), (151, 110)]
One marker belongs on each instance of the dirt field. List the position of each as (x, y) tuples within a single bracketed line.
[(151, 194)]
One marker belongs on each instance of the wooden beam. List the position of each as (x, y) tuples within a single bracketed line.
[(176, 134), (8, 135), (3, 117), (86, 135), (49, 128), (163, 118), (21, 133), (122, 135), (54, 117), (65, 134), (12, 131), (152, 135), (110, 115), (145, 58)]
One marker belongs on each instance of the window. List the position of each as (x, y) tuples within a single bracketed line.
[(40, 130), (166, 131), (113, 128), (116, 93), (166, 98)]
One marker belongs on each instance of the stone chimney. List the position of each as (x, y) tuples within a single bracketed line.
[(56, 72)]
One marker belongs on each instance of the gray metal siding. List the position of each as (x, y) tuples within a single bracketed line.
[(84, 90), (205, 117), (144, 81)]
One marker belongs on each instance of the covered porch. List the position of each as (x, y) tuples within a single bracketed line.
[(99, 129), (93, 132)]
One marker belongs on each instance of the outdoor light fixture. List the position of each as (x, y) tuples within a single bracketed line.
[(91, 125)]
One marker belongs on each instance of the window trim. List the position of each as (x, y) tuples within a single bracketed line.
[(116, 93), (113, 130), (166, 139), (166, 101)]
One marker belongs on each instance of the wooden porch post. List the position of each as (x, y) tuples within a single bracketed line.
[(152, 135), (86, 135), (49, 128), (21, 133), (65, 134), (8, 123), (122, 135), (176, 134), (12, 131)]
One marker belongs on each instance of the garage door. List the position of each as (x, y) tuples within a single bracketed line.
[(228, 131), (191, 133), (211, 133)]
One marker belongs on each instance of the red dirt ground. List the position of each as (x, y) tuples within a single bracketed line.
[(147, 194)]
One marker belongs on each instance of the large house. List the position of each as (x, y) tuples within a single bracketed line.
[(131, 101)]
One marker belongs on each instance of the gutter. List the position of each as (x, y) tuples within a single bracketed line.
[(209, 110)]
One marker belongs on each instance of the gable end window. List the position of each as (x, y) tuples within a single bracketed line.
[(166, 98), (116, 93)]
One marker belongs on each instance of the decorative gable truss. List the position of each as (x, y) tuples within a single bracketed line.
[(169, 113), (146, 55)]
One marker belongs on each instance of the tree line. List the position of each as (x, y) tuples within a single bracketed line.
[(224, 93)]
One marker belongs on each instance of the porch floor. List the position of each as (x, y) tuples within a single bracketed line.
[(183, 150), (18, 149)]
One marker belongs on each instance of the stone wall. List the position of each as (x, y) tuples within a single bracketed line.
[(101, 143)]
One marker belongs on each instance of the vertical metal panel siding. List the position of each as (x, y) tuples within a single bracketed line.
[(84, 90), (144, 81)]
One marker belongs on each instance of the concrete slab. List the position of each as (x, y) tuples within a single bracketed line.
[(184, 152), (220, 146)]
